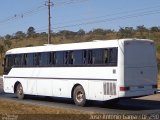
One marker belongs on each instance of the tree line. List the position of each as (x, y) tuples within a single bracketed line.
[(65, 36), (123, 32), (33, 38)]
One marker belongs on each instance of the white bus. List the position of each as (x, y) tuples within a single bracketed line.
[(97, 70)]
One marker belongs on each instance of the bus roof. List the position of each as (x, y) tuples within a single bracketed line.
[(72, 46)]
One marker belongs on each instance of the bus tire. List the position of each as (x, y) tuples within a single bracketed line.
[(79, 96), (19, 91)]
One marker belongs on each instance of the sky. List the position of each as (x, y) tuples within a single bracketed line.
[(19, 15)]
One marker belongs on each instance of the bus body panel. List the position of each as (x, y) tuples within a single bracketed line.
[(59, 81)]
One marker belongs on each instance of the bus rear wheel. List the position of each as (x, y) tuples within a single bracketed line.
[(19, 91), (79, 96)]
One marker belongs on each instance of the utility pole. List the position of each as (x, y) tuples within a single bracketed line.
[(49, 4)]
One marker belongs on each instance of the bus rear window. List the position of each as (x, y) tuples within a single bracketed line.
[(139, 54)]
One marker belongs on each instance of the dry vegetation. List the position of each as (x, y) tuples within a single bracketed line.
[(35, 112), (12, 107)]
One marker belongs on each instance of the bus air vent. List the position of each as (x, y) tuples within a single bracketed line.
[(109, 88)]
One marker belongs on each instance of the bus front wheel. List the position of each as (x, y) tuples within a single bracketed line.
[(79, 96), (19, 91)]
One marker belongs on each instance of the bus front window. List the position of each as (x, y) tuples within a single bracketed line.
[(8, 63)]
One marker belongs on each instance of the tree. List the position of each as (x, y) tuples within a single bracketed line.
[(126, 32), (43, 34), (99, 31), (31, 31), (81, 32), (155, 29), (66, 34), (8, 37), (20, 34), (108, 31), (142, 30)]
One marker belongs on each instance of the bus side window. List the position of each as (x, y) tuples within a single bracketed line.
[(59, 58), (97, 56), (78, 57), (66, 57), (15, 60), (30, 59), (85, 57), (36, 59), (106, 56), (24, 59), (44, 59), (52, 58), (113, 53), (90, 57), (18, 60), (71, 57)]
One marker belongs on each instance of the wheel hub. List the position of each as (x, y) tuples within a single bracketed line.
[(79, 97)]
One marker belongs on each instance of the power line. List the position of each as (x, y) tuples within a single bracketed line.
[(36, 10), (22, 15), (110, 19), (69, 2), (108, 15), (151, 12)]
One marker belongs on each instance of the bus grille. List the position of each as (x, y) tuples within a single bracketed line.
[(109, 88)]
